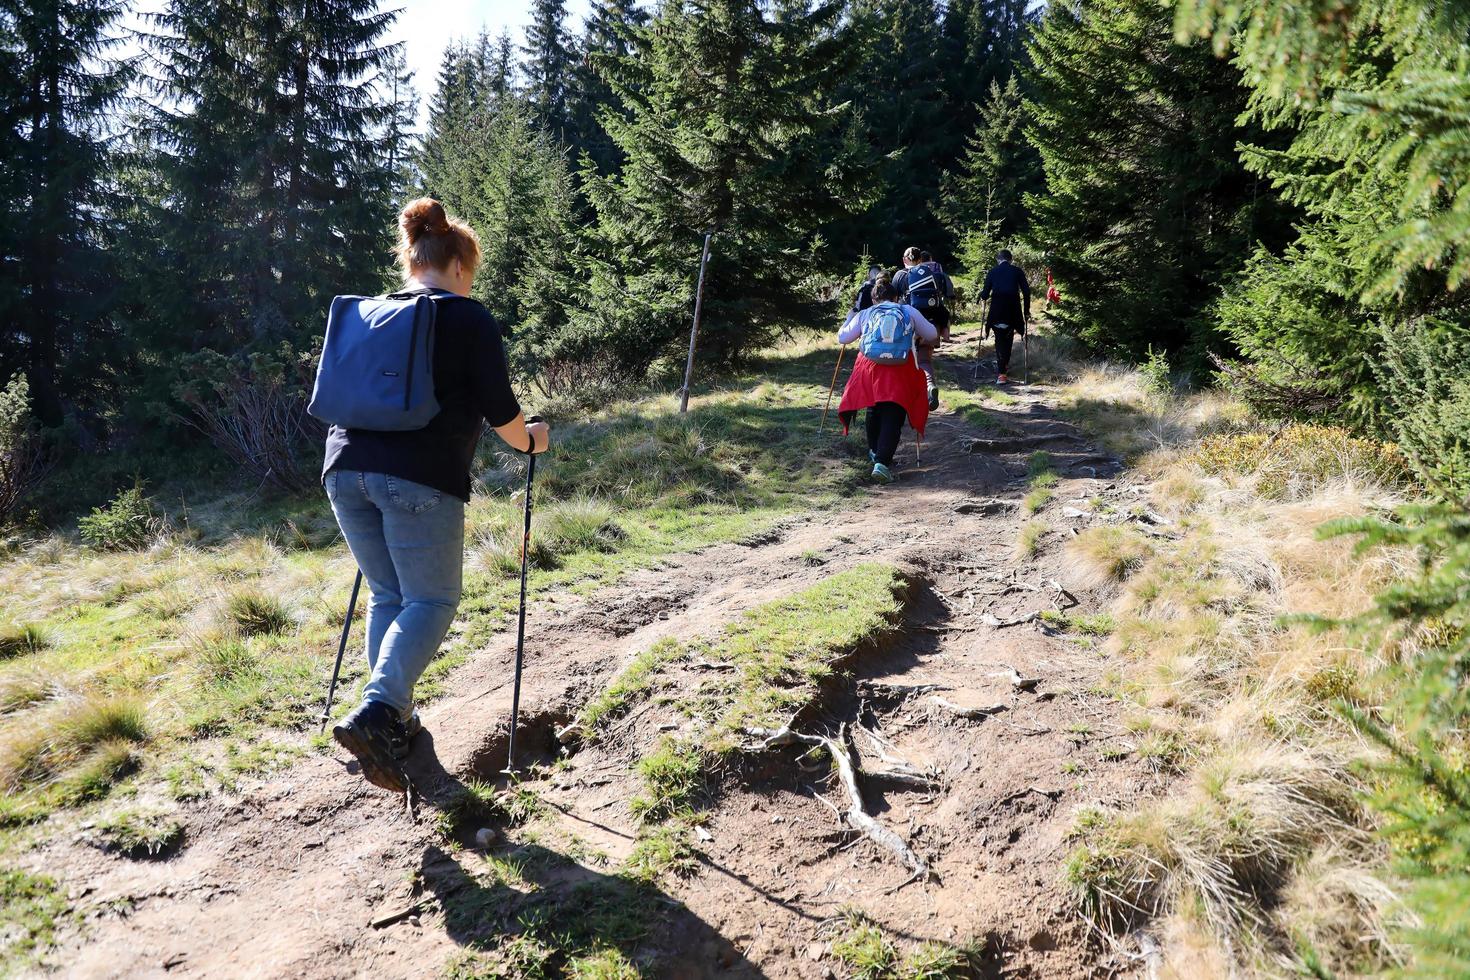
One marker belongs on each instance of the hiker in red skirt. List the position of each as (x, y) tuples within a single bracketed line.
[(886, 380)]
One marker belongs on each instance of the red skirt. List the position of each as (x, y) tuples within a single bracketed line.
[(871, 383)]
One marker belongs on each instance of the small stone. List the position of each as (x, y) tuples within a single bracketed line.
[(815, 951), (704, 835), (413, 920), (778, 819), (486, 837)]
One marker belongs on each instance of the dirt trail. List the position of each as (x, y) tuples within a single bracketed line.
[(282, 880)]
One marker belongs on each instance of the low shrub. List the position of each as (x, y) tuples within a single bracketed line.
[(127, 523), (24, 462), (1300, 459)]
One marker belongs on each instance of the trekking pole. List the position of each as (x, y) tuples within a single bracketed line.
[(515, 697), (831, 388), (979, 344), (341, 649), (1026, 354)]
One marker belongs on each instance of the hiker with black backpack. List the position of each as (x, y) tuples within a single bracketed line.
[(864, 297), (408, 382), (922, 284), (1009, 311), (886, 379)]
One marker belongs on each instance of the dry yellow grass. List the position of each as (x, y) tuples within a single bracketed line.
[(1260, 860)]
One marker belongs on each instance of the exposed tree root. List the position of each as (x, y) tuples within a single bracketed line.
[(857, 815), (960, 710), (1009, 444)]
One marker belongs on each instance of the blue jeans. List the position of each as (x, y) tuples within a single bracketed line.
[(408, 540)]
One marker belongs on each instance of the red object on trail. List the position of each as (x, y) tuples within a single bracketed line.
[(871, 383), (1053, 295)]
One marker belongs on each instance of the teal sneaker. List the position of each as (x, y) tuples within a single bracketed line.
[(882, 473), (872, 457)]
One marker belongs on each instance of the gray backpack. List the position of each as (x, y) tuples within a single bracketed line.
[(377, 366)]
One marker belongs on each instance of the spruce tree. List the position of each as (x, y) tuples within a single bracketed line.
[(605, 35), (986, 193), (1147, 207), (547, 65), (61, 83), (899, 94), (722, 107), (984, 45), (275, 128)]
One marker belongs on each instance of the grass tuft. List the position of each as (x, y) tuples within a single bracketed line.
[(635, 682), (139, 833), (257, 613), (1107, 554), (23, 641), (1028, 541)]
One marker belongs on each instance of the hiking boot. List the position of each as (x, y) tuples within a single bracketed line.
[(375, 734), (882, 473), (1001, 379), (933, 398), (412, 725)]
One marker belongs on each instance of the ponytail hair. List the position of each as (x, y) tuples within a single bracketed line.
[(429, 239), (911, 254), (883, 289)]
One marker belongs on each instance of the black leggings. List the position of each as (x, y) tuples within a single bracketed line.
[(939, 316), (885, 426), (1004, 337)]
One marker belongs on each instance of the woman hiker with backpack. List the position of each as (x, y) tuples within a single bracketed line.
[(399, 489), (886, 380)]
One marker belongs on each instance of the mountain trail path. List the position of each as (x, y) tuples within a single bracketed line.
[(286, 876)]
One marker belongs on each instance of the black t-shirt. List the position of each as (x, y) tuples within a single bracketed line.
[(472, 384)]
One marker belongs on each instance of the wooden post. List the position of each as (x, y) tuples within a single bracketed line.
[(694, 330)]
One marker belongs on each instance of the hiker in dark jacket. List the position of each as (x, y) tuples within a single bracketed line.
[(399, 497), (864, 297), (1010, 308)]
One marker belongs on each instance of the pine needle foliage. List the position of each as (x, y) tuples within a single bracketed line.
[(1388, 79), (62, 80), (1424, 790), (728, 124), (271, 135), (1147, 207)]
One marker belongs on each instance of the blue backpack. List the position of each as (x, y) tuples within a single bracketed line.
[(924, 289), (377, 366), (888, 334)]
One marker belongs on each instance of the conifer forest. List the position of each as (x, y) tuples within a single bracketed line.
[(1153, 664)]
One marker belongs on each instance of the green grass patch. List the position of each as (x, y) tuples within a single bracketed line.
[(631, 685), (138, 833), (780, 653), (867, 953), (31, 907)]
